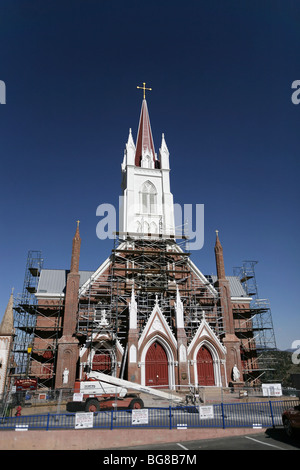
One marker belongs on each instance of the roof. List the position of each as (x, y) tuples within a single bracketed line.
[(54, 281), (236, 288)]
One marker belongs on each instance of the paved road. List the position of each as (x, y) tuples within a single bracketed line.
[(271, 439)]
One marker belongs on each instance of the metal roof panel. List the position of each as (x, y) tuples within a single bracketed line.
[(54, 280)]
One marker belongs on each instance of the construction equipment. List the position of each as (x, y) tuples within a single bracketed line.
[(100, 391)]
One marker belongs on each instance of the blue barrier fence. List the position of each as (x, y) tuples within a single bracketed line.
[(224, 415)]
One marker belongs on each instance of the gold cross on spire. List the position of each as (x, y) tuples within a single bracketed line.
[(144, 88)]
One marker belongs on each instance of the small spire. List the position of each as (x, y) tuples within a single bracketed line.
[(219, 258), (133, 311), (77, 235), (218, 243), (76, 250), (7, 324), (179, 314), (163, 142), (130, 139), (132, 295)]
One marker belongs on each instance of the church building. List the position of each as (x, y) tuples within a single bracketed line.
[(147, 314)]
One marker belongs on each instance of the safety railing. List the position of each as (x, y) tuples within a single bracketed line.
[(223, 415)]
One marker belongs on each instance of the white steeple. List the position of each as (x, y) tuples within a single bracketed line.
[(147, 205)]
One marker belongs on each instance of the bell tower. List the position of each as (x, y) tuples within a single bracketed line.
[(147, 201)]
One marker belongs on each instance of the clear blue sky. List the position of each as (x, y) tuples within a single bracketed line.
[(221, 74)]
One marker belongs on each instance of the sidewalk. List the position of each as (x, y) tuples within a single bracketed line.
[(101, 439)]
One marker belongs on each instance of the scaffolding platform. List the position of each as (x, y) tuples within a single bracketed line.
[(254, 327)]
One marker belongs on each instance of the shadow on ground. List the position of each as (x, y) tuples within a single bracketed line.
[(279, 435)]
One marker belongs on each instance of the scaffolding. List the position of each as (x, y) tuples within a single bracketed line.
[(37, 329), (153, 268), (254, 326)]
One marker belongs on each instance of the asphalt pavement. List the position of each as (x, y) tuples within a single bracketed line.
[(271, 439)]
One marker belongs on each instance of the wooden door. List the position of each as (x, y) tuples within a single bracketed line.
[(157, 366), (102, 361), (205, 367)]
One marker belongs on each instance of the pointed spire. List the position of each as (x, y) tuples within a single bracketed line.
[(164, 154), (179, 310), (144, 138), (133, 311), (130, 139), (76, 251), (219, 258), (129, 153), (7, 324)]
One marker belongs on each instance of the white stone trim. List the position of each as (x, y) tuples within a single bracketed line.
[(161, 325)]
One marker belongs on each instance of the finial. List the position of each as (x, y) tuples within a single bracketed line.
[(78, 222), (144, 89), (217, 232)]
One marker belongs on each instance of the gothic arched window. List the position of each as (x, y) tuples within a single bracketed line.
[(148, 198)]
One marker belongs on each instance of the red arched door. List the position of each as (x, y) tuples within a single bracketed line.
[(205, 367), (156, 366), (102, 361)]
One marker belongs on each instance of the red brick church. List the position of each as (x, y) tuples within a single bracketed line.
[(147, 314)]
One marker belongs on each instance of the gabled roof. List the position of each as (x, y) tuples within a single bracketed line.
[(157, 323), (53, 281), (105, 265), (205, 330)]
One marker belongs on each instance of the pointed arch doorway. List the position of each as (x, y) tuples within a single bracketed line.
[(102, 361), (205, 367), (156, 366)]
